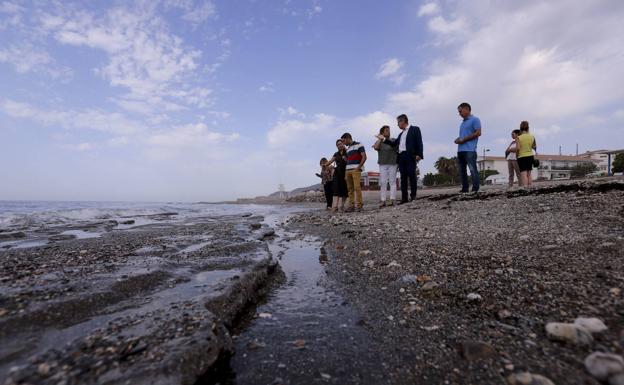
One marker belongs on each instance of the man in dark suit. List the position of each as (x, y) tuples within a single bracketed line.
[(409, 146)]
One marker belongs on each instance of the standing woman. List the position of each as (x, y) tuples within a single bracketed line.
[(339, 182), (387, 160), (512, 159), (326, 175), (525, 144)]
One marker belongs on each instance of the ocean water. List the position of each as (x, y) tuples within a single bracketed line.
[(36, 219)]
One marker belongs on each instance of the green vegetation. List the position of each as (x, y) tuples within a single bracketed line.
[(582, 169), (618, 163)]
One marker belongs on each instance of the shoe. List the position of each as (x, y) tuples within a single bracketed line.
[(359, 210), (349, 209), (390, 204), (402, 202), (382, 204), (463, 191), (474, 191)]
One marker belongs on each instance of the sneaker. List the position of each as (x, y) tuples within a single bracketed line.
[(349, 209)]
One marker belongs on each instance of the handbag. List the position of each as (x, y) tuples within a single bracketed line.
[(536, 162)]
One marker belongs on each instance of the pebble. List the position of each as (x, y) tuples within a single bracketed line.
[(474, 297), (615, 291), (369, 263), (568, 333), (504, 314), (364, 253), (604, 365), (409, 278), (428, 286), (394, 264), (527, 378), (592, 325), (477, 350)]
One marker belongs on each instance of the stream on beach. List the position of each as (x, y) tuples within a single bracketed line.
[(95, 292)]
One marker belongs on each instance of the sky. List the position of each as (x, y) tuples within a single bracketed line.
[(188, 100)]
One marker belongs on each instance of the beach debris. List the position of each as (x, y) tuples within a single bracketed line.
[(394, 264), (430, 328), (299, 343), (567, 332), (265, 315), (409, 278), (326, 376), (363, 253), (615, 291)]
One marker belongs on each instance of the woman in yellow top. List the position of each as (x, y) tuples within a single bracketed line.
[(525, 144)]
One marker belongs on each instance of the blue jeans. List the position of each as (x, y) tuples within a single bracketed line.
[(468, 158)]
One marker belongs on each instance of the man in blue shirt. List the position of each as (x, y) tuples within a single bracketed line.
[(469, 133)]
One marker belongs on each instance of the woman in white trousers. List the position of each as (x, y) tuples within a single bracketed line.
[(387, 160)]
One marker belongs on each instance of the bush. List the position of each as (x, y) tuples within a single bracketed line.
[(582, 169)]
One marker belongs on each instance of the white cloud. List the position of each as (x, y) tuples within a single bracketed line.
[(90, 119), (26, 58), (267, 87), (440, 25), (189, 135), (156, 68), (391, 69), (428, 9), (287, 131)]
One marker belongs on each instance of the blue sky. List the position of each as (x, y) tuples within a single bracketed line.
[(182, 100)]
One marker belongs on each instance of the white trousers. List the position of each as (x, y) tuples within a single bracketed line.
[(387, 174)]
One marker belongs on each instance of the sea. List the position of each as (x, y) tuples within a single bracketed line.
[(29, 223)]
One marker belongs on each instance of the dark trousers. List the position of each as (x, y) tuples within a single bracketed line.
[(468, 159), (407, 168), (329, 193)]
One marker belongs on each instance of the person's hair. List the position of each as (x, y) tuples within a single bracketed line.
[(517, 132), (338, 140), (403, 117), (346, 135), (322, 160), (465, 105), (524, 126), (381, 130)]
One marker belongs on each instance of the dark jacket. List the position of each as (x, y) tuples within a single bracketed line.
[(414, 144)]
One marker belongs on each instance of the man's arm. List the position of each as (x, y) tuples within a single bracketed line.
[(474, 135), (419, 145), (362, 161)]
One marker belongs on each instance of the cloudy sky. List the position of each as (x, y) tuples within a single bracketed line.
[(189, 100)]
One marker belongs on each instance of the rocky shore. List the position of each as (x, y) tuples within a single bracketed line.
[(147, 306), (519, 287)]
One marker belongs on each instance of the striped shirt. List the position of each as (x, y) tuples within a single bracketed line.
[(354, 155)]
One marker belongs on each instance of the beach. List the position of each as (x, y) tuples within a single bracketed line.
[(448, 289)]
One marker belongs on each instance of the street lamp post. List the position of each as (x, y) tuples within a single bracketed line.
[(483, 161)]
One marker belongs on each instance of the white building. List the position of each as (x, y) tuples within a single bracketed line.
[(552, 167), (602, 157)]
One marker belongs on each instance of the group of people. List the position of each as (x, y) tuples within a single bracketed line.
[(519, 155), (342, 181), (340, 175)]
